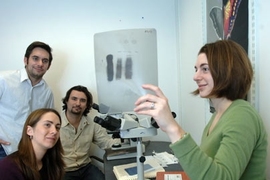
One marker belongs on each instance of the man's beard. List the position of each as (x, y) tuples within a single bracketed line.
[(76, 112), (34, 75)]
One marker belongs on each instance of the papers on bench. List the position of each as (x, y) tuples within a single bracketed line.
[(165, 158), (129, 171)]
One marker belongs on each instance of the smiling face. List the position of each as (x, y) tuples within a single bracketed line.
[(37, 64), (77, 102), (203, 76), (45, 133)]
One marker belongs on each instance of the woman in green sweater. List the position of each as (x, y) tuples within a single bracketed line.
[(234, 142)]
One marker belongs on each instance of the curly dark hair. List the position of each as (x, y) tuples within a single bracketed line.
[(87, 94)]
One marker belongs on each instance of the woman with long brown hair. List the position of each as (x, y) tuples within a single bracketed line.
[(39, 154)]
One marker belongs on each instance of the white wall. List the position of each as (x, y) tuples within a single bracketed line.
[(69, 26), (194, 110), (263, 61)]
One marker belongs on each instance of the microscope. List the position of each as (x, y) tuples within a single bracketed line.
[(130, 126)]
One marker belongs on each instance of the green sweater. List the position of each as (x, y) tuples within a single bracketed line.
[(235, 149)]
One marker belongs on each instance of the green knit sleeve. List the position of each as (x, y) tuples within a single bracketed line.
[(235, 149)]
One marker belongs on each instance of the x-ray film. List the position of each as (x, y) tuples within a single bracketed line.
[(124, 60)]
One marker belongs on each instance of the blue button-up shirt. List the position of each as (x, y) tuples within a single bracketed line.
[(18, 98)]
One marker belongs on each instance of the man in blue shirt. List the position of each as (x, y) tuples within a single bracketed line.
[(21, 92)]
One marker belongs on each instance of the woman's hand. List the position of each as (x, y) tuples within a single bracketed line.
[(157, 107)]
